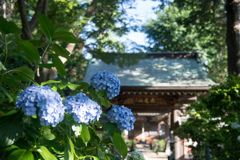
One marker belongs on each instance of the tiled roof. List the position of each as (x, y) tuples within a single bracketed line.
[(169, 69)]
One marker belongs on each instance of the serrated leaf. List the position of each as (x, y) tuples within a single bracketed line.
[(62, 29), (120, 144), (59, 65), (37, 43), (50, 82), (47, 27), (106, 141), (10, 128), (83, 85), (12, 147), (88, 156), (8, 27), (69, 151), (60, 51), (44, 152), (65, 37), (24, 72), (6, 93), (21, 154), (49, 137), (10, 82), (54, 88), (49, 66), (19, 78), (110, 128), (85, 135), (29, 49)]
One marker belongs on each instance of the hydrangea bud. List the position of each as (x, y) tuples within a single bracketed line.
[(84, 110), (43, 99), (107, 81), (235, 125), (122, 116), (135, 155)]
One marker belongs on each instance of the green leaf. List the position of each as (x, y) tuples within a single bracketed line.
[(83, 85), (88, 156), (10, 127), (10, 148), (85, 135), (120, 144), (47, 27), (59, 65), (37, 43), (106, 141), (62, 29), (54, 88), (49, 137), (8, 27), (44, 152), (49, 66), (10, 82), (69, 151), (65, 37), (24, 72), (18, 78), (21, 154), (105, 102), (6, 93), (60, 51), (29, 49), (49, 82), (110, 128)]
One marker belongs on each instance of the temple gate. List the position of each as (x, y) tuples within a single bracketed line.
[(158, 89)]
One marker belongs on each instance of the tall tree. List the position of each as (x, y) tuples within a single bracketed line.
[(192, 25), (233, 36), (89, 20)]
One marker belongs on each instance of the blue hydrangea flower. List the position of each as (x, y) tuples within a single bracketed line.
[(43, 99), (122, 116), (107, 81), (84, 110)]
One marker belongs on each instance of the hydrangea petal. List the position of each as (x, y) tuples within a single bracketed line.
[(122, 116), (107, 81)]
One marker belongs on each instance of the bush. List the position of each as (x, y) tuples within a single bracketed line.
[(36, 124), (210, 121)]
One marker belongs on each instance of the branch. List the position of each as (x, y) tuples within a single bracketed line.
[(34, 19), (26, 33), (45, 7), (91, 11)]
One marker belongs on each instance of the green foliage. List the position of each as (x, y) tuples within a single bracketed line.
[(192, 25), (23, 137), (159, 145), (210, 119)]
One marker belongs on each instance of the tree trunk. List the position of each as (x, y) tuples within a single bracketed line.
[(233, 36)]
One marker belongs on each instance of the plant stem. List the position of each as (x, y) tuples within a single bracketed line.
[(44, 52), (6, 54)]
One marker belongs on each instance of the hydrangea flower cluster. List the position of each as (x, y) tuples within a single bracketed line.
[(43, 99), (107, 81), (84, 110), (122, 116), (135, 155)]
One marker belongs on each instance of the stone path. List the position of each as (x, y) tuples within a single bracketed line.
[(149, 154)]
